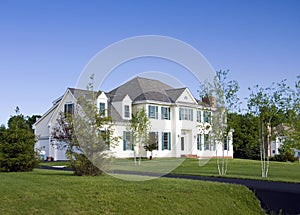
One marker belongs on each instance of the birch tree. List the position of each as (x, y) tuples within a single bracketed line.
[(139, 125), (222, 98), (267, 103)]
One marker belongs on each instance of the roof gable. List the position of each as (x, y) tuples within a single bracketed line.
[(186, 97)]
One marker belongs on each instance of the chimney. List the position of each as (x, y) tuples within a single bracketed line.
[(210, 100)]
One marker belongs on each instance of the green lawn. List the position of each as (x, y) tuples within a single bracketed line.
[(59, 192), (237, 168), (241, 168)]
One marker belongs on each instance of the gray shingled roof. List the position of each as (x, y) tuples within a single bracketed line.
[(83, 93), (141, 89)]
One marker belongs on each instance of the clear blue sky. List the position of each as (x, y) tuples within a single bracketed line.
[(44, 45)]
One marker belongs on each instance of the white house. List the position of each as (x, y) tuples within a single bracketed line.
[(276, 145), (176, 119)]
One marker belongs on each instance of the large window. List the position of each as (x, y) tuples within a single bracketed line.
[(69, 108), (165, 113), (127, 141), (207, 116), (153, 112), (185, 114), (102, 108), (199, 142), (126, 111), (199, 116), (166, 141)]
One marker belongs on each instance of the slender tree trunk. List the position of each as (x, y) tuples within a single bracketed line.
[(223, 160)]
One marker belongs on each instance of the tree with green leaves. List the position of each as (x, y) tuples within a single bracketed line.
[(86, 135), (151, 143), (17, 145), (222, 98), (270, 104), (139, 125)]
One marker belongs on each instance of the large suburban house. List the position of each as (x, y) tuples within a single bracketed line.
[(177, 120)]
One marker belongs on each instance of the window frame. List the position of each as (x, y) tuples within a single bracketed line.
[(166, 143), (207, 116), (127, 144), (156, 137), (199, 142), (101, 109), (199, 116), (153, 114), (165, 113), (186, 114), (126, 112), (67, 108)]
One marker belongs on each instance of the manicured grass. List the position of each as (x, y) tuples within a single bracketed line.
[(237, 168), (55, 163), (59, 192), (241, 168)]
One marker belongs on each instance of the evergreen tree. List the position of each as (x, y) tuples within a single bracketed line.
[(17, 146)]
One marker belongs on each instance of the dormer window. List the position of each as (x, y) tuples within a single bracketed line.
[(69, 108), (126, 111), (102, 108)]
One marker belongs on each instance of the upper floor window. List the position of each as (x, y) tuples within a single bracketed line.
[(69, 108), (207, 116), (199, 116), (102, 108), (185, 114), (165, 113), (153, 112), (126, 111)]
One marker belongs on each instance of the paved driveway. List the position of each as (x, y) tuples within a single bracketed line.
[(274, 196)]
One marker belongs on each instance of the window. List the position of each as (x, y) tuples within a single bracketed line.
[(199, 142), (166, 140), (182, 143), (206, 142), (165, 113), (105, 137), (126, 111), (199, 116), (185, 114), (207, 116), (153, 112), (225, 144), (153, 138), (69, 108), (127, 141), (102, 108)]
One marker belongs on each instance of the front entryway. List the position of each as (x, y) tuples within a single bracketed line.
[(185, 142)]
